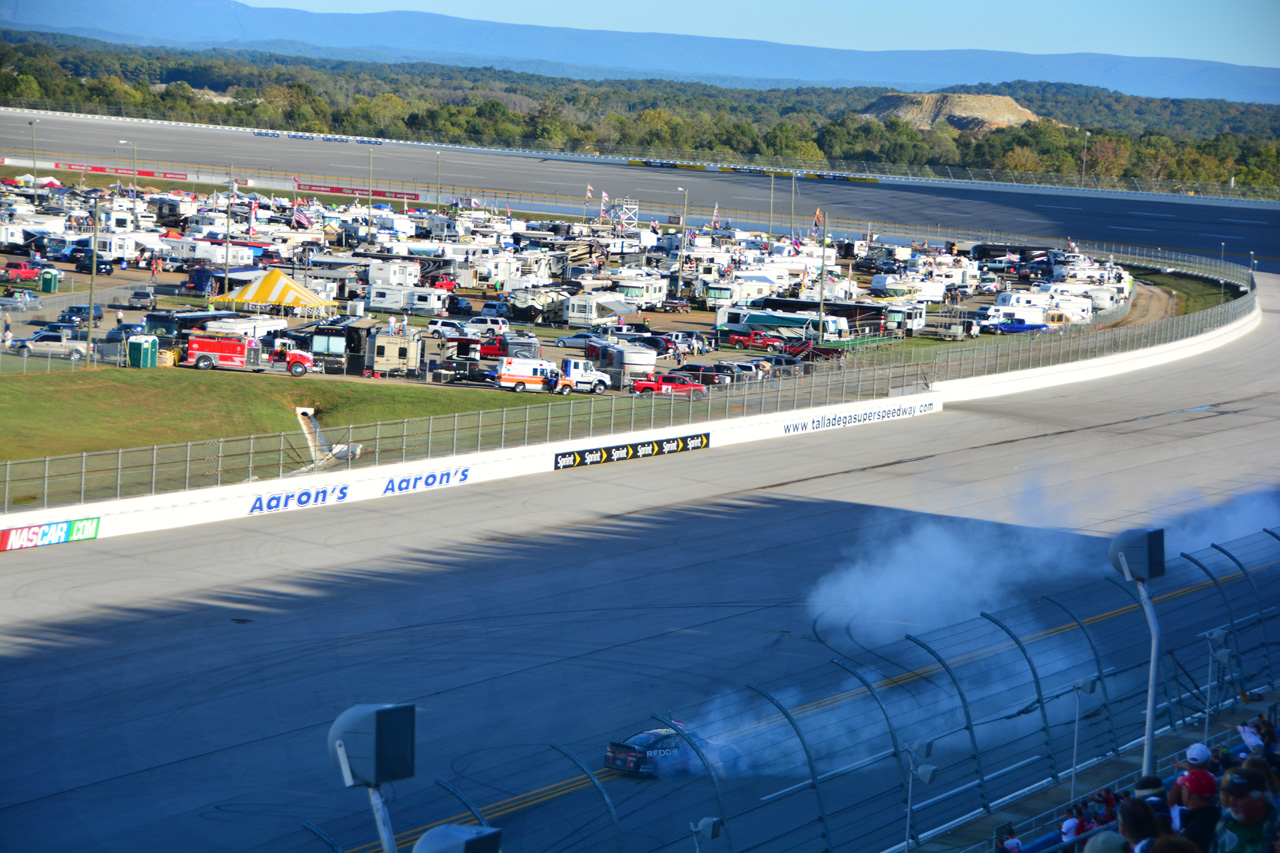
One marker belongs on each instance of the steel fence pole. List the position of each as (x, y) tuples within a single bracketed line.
[(82, 467), (808, 755), (1035, 679), (604, 795), (465, 800), (1164, 676), (1097, 662), (153, 469), (1262, 625), (715, 783), (888, 721), (1231, 619), (186, 469), (968, 719), (120, 468)]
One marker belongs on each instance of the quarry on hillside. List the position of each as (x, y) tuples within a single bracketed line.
[(975, 113)]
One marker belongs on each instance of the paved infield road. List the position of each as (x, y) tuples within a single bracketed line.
[(173, 690), (1210, 227)]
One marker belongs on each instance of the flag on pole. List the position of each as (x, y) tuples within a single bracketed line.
[(508, 211), (301, 220), (253, 215), (715, 216), (475, 202), (604, 199), (817, 218), (590, 190)]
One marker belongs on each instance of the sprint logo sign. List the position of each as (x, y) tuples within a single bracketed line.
[(626, 452)]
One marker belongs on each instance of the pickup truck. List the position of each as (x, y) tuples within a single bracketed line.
[(670, 383), (21, 271), (59, 344), (144, 299), (1014, 327), (21, 300), (756, 340)]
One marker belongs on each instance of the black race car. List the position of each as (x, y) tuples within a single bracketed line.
[(663, 752)]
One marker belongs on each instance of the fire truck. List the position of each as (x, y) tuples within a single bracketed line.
[(207, 350)]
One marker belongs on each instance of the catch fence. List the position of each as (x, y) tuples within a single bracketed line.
[(914, 738)]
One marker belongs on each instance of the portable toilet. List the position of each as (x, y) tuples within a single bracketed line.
[(143, 350), (49, 281)]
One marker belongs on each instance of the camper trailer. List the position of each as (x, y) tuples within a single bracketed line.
[(395, 355)]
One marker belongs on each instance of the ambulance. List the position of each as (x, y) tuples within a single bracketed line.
[(531, 374)]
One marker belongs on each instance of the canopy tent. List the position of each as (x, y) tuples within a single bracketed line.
[(277, 290)]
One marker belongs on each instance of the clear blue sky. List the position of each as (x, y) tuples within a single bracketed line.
[(1242, 32)]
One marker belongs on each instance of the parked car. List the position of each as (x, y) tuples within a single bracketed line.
[(783, 365), (445, 329), (705, 373), (80, 314), (579, 340), (458, 307), (105, 267), (120, 334), (486, 327), (867, 265), (662, 346)]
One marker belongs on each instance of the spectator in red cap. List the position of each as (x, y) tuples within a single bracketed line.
[(1199, 813), (1249, 823)]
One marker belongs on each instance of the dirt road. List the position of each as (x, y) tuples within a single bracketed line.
[(1149, 304)]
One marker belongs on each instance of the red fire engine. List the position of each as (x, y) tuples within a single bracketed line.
[(208, 350)]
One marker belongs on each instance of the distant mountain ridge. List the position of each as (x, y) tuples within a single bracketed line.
[(594, 53)]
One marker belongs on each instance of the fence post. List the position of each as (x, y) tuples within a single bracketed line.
[(219, 462), (1262, 626), (1035, 679), (280, 457), (604, 795), (808, 755), (968, 719), (888, 721), (186, 470), (455, 435), (153, 468), (251, 457), (120, 468), (404, 438), (479, 430), (7, 468), (462, 798), (1226, 604), (82, 465), (715, 783)]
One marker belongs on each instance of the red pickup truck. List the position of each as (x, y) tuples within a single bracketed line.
[(756, 340), (670, 383), (21, 271)]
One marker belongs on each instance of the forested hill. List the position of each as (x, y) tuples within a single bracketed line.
[(1090, 106), (498, 107)]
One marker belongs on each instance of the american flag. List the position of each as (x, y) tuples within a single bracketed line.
[(590, 190), (301, 220)]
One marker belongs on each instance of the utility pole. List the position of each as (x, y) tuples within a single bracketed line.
[(822, 287), (369, 220), (684, 230), (226, 238), (437, 181), (793, 205), (133, 186), (1084, 158), (771, 206), (93, 276), (35, 172)]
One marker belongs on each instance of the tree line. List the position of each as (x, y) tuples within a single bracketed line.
[(445, 103)]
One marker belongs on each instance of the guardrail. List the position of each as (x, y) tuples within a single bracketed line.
[(718, 159)]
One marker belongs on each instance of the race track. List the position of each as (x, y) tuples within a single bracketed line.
[(1214, 228), (173, 690)]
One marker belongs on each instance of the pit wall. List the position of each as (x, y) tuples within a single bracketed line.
[(62, 525)]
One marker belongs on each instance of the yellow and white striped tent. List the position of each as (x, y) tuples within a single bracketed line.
[(275, 289)]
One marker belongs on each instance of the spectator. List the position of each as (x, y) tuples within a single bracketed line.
[(1107, 842), (1249, 823), (1151, 789), (1137, 823), (1198, 757), (1070, 826), (1257, 763), (1199, 813), (1222, 761), (1266, 731), (119, 316), (1011, 842), (1252, 740)]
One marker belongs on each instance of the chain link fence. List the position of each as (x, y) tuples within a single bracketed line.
[(866, 373), (859, 168)]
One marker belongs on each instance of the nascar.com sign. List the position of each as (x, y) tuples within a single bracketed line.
[(55, 533)]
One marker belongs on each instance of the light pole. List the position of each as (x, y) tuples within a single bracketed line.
[(133, 186), (1084, 685), (35, 172), (793, 205), (370, 219), (771, 206), (1139, 556), (925, 772), (684, 230), (1084, 158), (437, 182)]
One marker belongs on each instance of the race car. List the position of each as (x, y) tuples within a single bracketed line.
[(663, 752)]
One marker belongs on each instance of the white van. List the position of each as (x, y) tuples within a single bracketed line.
[(486, 327)]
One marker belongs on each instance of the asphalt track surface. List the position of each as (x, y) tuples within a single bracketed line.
[(1210, 227), (173, 690)]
